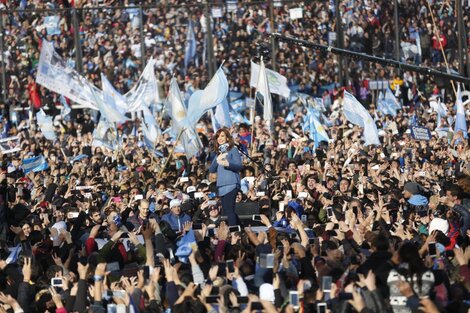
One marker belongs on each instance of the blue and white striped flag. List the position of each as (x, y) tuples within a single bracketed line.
[(222, 115), (45, 124), (460, 120), (358, 115), (35, 164), (65, 110), (190, 52)]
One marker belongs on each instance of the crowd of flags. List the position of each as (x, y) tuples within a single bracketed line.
[(223, 106)]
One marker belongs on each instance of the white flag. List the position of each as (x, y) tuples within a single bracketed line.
[(263, 88), (45, 124), (277, 82), (202, 101), (358, 115), (175, 105)]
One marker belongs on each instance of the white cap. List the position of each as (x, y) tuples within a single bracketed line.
[(175, 202), (266, 292), (439, 224), (191, 189)]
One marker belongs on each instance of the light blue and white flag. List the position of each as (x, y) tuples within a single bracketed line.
[(46, 126), (117, 98), (391, 100), (460, 120), (222, 115), (52, 25), (14, 254), (202, 101), (35, 164), (104, 135), (317, 129), (108, 106), (65, 110), (175, 106), (290, 117), (190, 52), (385, 107), (263, 89), (277, 82), (358, 115), (238, 118), (191, 142)]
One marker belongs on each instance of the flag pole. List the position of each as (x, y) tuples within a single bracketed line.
[(171, 153), (252, 120)]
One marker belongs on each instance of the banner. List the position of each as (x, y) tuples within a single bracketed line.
[(145, 92), (45, 124), (105, 135), (54, 74), (277, 82), (10, 145), (35, 164), (51, 23), (420, 133)]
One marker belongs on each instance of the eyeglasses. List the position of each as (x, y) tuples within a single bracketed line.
[(213, 208)]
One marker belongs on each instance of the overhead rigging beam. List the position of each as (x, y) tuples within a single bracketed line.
[(356, 55)]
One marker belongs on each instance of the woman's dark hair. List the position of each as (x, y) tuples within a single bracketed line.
[(229, 139), (409, 254)]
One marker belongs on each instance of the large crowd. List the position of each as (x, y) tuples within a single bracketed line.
[(333, 226)]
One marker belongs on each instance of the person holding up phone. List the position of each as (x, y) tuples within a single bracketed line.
[(227, 165)]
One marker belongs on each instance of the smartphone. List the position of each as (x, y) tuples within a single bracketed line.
[(198, 195), (294, 298), (303, 218), (72, 215), (184, 179), (112, 267), (233, 229), (281, 206), (260, 194), (146, 269), (57, 282), (266, 260), (303, 195), (281, 146), (212, 299), (212, 195), (242, 300), (329, 212), (256, 217), (289, 194), (326, 283), (138, 197), (432, 249), (119, 293), (256, 306), (345, 296), (321, 307), (211, 232), (230, 266), (197, 226)]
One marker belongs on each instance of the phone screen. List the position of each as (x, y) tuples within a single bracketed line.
[(230, 266), (257, 217), (146, 269), (294, 298), (326, 283), (321, 307), (432, 249), (233, 229)]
